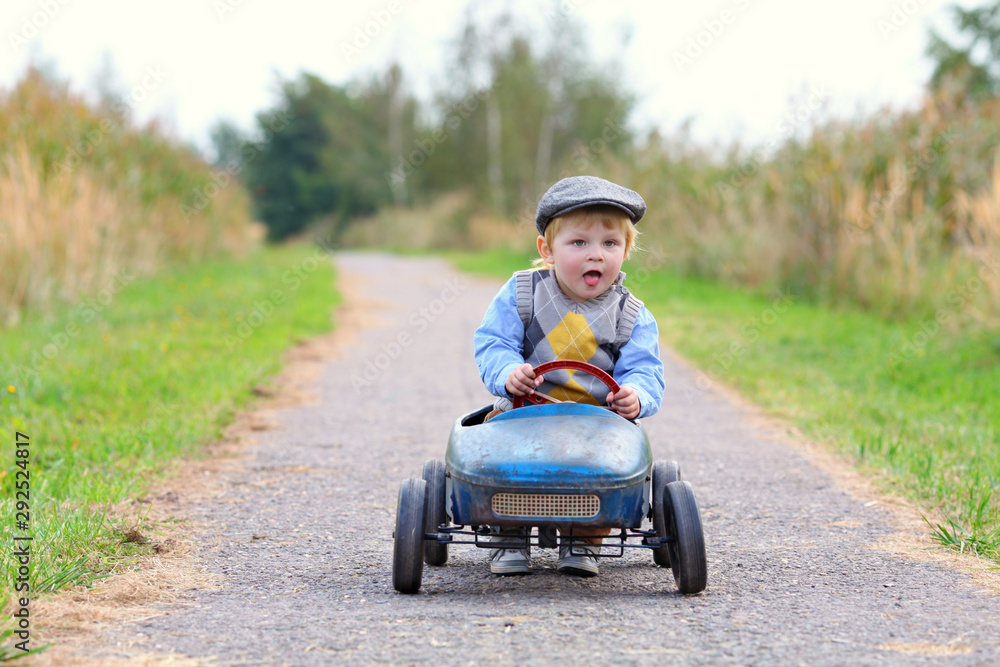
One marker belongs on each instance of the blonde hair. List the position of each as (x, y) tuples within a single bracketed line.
[(610, 216)]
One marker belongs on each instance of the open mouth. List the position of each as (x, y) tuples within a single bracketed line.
[(592, 278)]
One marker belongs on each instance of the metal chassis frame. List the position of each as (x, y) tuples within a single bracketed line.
[(446, 535)]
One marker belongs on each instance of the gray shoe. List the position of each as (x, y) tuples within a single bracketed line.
[(579, 565), (510, 561)]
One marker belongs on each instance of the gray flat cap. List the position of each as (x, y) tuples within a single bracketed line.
[(578, 191)]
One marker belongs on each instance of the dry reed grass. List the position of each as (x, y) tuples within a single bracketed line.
[(62, 238), (450, 221), (978, 231), (84, 195), (896, 213)]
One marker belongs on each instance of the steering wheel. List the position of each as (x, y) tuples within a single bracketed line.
[(560, 364)]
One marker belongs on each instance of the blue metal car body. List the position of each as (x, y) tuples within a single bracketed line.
[(566, 465)]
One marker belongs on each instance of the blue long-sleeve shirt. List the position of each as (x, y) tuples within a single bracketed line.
[(499, 343)]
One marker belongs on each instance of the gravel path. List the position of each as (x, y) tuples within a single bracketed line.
[(301, 537)]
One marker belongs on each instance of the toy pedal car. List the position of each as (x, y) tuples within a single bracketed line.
[(550, 468)]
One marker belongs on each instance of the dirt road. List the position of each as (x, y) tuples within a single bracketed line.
[(799, 570)]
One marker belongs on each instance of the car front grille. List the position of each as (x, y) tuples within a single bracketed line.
[(547, 505)]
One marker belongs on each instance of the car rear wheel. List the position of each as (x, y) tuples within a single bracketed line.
[(435, 553), (687, 546), (664, 472), (407, 556)]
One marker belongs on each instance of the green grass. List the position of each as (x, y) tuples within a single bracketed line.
[(915, 406), (111, 394)]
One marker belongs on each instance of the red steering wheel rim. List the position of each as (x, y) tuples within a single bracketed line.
[(567, 364)]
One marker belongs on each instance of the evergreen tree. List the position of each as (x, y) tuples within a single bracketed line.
[(323, 152), (974, 63)]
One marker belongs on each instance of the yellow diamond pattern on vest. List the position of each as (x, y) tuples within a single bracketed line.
[(572, 339)]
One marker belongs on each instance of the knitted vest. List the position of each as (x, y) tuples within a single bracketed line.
[(556, 327)]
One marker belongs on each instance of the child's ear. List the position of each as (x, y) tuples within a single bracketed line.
[(544, 251)]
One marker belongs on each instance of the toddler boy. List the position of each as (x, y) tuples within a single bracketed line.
[(573, 307)]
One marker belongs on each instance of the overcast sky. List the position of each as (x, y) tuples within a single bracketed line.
[(736, 67)]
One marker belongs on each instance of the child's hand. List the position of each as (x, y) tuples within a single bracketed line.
[(522, 380), (625, 402)]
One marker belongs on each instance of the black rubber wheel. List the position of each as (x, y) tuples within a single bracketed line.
[(687, 548), (664, 472), (407, 555), (435, 553)]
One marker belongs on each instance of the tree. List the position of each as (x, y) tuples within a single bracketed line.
[(227, 144), (322, 152), (533, 108), (517, 111), (974, 65)]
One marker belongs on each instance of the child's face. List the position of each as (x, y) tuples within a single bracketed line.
[(586, 257)]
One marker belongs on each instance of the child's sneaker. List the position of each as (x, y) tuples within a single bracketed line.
[(510, 561), (580, 565)]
